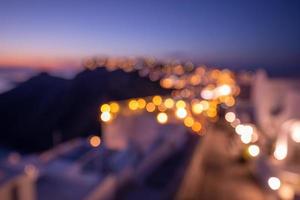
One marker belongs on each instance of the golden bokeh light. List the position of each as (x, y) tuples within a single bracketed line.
[(197, 126), (95, 141), (197, 108), (150, 107), (188, 121), (169, 103), (141, 103), (105, 108), (157, 100), (180, 104), (229, 101), (114, 107), (133, 105)]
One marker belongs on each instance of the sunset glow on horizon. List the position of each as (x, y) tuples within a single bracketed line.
[(56, 34)]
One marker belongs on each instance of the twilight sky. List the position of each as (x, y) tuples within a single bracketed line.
[(59, 33)]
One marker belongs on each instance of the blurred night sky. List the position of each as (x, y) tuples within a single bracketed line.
[(59, 33)]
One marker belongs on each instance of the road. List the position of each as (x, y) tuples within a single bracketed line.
[(214, 173)]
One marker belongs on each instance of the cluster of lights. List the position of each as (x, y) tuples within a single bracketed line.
[(197, 91), (191, 114), (185, 79), (248, 136)]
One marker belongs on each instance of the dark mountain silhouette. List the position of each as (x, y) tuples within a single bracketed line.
[(46, 108)]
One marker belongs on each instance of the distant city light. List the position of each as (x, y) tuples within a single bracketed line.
[(197, 108), (114, 107), (253, 150), (246, 137), (207, 94), (239, 129), (105, 108), (180, 104), (133, 105), (95, 141), (223, 90), (181, 113), (141, 103), (244, 129), (188, 121), (274, 183), (230, 117), (150, 107), (157, 100), (169, 103), (162, 118), (197, 127), (229, 101)]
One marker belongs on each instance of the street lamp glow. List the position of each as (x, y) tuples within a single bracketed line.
[(180, 104), (105, 116), (239, 129), (162, 118), (246, 137), (169, 103), (253, 150), (230, 117), (197, 108), (223, 90), (181, 113), (274, 183)]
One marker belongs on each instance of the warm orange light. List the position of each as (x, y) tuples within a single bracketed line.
[(114, 107), (166, 83), (133, 105), (229, 101), (95, 141), (189, 121), (197, 108), (197, 127), (169, 103), (141, 103), (162, 108), (157, 100), (211, 113), (150, 107)]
